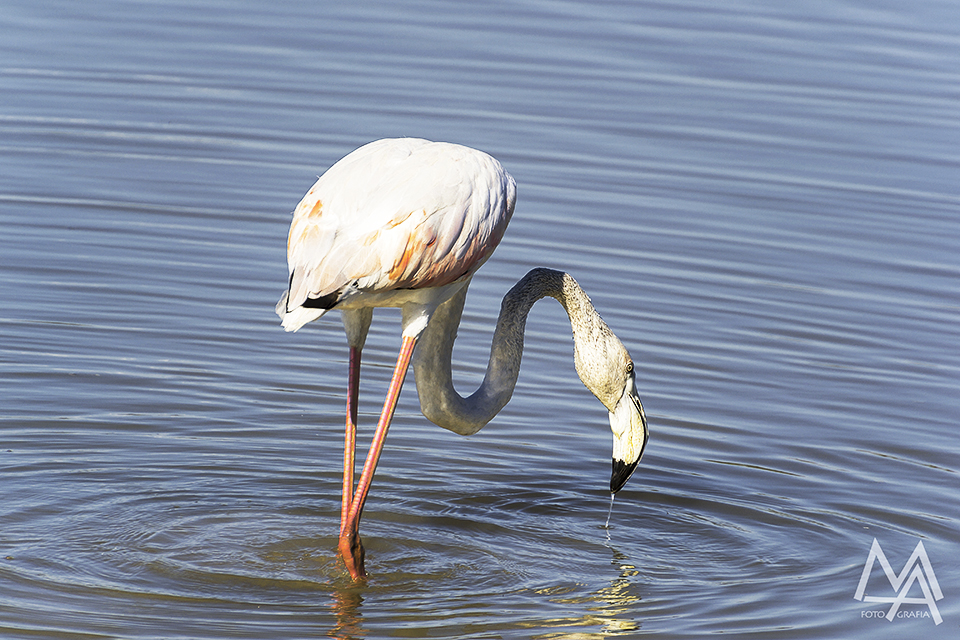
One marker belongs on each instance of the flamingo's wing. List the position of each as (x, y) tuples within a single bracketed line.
[(396, 214)]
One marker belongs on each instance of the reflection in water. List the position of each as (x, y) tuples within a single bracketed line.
[(607, 608), (346, 607)]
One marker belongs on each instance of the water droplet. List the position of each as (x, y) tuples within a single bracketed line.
[(609, 513)]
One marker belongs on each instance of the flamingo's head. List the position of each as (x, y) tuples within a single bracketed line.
[(630, 433), (606, 368)]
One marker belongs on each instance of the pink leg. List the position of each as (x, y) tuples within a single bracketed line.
[(350, 436), (350, 546)]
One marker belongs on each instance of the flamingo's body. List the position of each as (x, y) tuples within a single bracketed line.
[(392, 220), (406, 223)]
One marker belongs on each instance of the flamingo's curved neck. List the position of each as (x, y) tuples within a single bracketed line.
[(441, 403)]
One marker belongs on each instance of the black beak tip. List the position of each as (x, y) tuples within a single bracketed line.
[(621, 473)]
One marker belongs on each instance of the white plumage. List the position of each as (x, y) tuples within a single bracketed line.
[(394, 214)]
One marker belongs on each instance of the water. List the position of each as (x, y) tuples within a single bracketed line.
[(761, 200)]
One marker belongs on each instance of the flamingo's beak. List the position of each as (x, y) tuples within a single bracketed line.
[(629, 426)]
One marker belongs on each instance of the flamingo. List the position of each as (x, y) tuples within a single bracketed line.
[(406, 223)]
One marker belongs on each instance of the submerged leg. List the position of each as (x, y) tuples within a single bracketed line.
[(350, 546)]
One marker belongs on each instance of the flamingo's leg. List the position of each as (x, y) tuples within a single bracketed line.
[(350, 435), (350, 546)]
